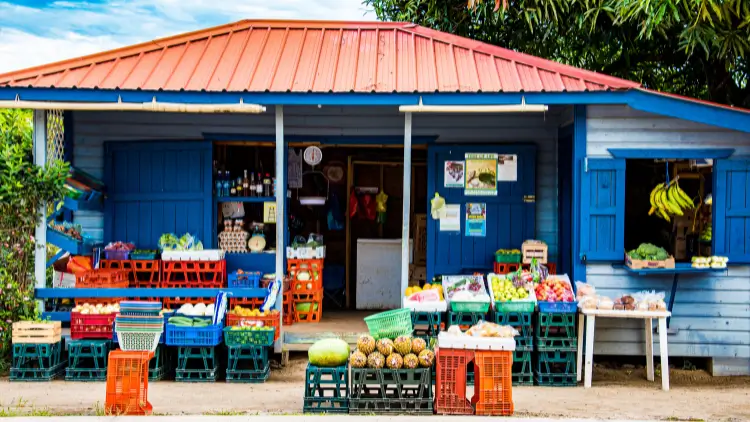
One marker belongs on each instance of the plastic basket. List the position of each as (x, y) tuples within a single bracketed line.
[(558, 307), (482, 307), (143, 256), (519, 306), (91, 325), (450, 384), (127, 383), (138, 341), (513, 258), (116, 255), (248, 337), (272, 320), (246, 279), (193, 336), (390, 324), (493, 393)]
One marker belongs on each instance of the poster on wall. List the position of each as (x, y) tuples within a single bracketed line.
[(476, 219), (507, 168), (294, 169), (269, 212), (451, 221), (481, 174), (454, 174)]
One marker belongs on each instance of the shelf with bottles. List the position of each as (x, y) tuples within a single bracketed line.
[(245, 172)]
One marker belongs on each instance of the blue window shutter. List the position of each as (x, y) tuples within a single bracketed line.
[(731, 210), (603, 209)]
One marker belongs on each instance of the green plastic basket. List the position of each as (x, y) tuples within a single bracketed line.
[(390, 324), (470, 306), (249, 337), (520, 306), (511, 258)]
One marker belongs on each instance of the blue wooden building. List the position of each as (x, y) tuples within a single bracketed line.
[(375, 85)]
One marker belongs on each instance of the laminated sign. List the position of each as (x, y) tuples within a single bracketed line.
[(476, 219), (481, 174)]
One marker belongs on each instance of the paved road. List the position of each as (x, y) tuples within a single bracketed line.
[(299, 418)]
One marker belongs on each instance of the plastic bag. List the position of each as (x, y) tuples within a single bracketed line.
[(490, 329), (430, 295), (650, 301), (588, 302), (584, 290), (605, 303), (473, 284)]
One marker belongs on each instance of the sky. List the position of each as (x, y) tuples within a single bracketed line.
[(34, 32)]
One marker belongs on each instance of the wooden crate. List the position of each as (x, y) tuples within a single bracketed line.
[(420, 239), (534, 249), (640, 264), (30, 332)]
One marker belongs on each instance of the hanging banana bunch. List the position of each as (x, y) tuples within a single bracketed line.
[(669, 200)]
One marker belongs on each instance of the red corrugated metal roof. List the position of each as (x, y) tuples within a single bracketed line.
[(313, 56)]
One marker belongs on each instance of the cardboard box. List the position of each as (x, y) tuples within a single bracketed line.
[(640, 264)]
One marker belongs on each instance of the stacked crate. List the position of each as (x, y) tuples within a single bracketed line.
[(197, 352), (127, 383), (391, 391), (38, 353), (556, 345), (326, 389), (519, 315), (87, 360), (306, 285), (247, 360)]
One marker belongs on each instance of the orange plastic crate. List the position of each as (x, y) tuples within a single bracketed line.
[(127, 383), (246, 302), (146, 273), (288, 308), (268, 320), (450, 382), (103, 279), (313, 266), (313, 297), (493, 385), (196, 274)]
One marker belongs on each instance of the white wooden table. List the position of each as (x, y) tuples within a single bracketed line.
[(587, 318)]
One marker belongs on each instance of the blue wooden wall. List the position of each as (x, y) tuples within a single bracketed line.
[(711, 312)]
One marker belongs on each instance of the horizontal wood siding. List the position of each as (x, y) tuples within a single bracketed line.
[(92, 129), (712, 313)]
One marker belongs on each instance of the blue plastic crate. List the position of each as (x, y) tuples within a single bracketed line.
[(194, 336), (248, 279), (558, 307)]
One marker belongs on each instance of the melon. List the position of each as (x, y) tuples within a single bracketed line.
[(329, 352), (305, 306)]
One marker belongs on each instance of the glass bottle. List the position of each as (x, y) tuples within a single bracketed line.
[(233, 190), (259, 186), (225, 184), (253, 191), (218, 186), (246, 185), (267, 185), (238, 186)]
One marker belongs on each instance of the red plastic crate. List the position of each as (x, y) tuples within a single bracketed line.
[(98, 300), (246, 302), (196, 274), (450, 382), (103, 278), (288, 308), (313, 266), (91, 326), (268, 320), (493, 384), (313, 297), (127, 383), (176, 302), (146, 273), (501, 268)]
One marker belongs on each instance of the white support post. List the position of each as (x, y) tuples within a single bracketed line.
[(40, 234), (405, 255), (280, 219)]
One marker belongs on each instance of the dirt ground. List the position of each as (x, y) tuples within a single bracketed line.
[(616, 394)]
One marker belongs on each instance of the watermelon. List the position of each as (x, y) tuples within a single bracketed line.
[(329, 352)]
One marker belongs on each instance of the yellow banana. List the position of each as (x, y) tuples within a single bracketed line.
[(653, 194), (687, 199), (676, 198), (652, 210), (672, 203), (663, 214)]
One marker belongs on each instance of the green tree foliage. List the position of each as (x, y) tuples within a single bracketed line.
[(697, 48), (24, 189)]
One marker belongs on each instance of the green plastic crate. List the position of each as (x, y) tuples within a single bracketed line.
[(247, 358), (37, 356), (556, 368), (517, 306), (556, 332), (248, 337), (381, 384), (85, 375), (465, 318), (37, 374), (510, 258), (326, 390), (197, 364), (196, 375), (391, 406), (390, 324), (426, 323), (249, 377), (482, 307), (87, 355), (522, 372)]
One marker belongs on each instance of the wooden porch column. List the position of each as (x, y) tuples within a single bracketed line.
[(407, 205), (40, 234), (280, 218)]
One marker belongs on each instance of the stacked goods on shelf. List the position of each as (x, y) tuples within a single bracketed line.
[(87, 360), (37, 351), (715, 262), (327, 377), (248, 341), (648, 256), (127, 383), (89, 321), (468, 300), (555, 335), (508, 256), (490, 347), (139, 326), (645, 301), (118, 251), (244, 317), (306, 283), (391, 375), (514, 304), (186, 264)]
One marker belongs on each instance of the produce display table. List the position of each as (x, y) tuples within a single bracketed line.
[(588, 317)]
